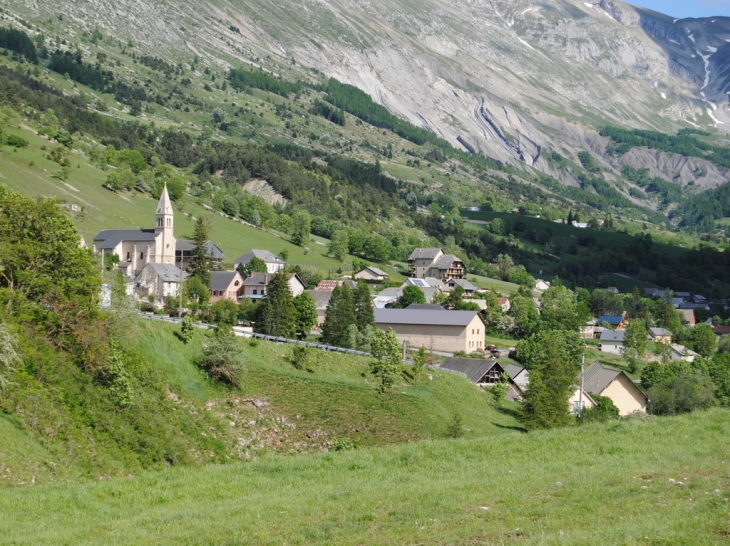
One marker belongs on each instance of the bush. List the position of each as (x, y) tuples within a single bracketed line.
[(603, 411), (300, 358), (681, 394), (456, 427), (187, 329), (221, 357), (16, 141), (342, 444)]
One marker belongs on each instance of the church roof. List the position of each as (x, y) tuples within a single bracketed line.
[(110, 238), (165, 205)]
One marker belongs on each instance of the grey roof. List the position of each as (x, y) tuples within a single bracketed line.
[(424, 254), (432, 306), (110, 238), (466, 285), (445, 261), (473, 368), (391, 293), (220, 280), (596, 378), (424, 317), (321, 298), (214, 251), (258, 279), (420, 283), (513, 370), (167, 272), (264, 255), (659, 332), (613, 335), (375, 270)]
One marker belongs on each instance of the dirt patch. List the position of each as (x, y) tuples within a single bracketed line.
[(264, 190)]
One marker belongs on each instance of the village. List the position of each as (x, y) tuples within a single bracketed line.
[(436, 309)]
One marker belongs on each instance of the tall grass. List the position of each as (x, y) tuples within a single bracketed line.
[(661, 482)]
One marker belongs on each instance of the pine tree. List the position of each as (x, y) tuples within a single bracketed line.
[(363, 303), (277, 316), (340, 313), (200, 261)]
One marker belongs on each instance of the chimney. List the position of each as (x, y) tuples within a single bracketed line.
[(266, 280)]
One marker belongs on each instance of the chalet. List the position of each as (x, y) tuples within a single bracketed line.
[(371, 273), (138, 247), (225, 284), (617, 322), (273, 263), (184, 252), (617, 386), (469, 288), (321, 301), (688, 316), (256, 285), (432, 262), (613, 341), (660, 335), (480, 371), (448, 331), (159, 280)]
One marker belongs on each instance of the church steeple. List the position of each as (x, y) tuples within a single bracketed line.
[(165, 239)]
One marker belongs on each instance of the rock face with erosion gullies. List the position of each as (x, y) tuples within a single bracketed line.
[(503, 77)]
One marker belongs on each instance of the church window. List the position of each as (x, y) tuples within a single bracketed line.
[(169, 222), (159, 222)]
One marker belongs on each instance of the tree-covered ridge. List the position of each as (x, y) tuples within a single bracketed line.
[(19, 42), (242, 79), (699, 212), (73, 65), (683, 143)]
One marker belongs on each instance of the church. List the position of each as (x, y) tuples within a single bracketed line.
[(138, 247)]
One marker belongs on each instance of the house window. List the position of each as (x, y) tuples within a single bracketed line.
[(128, 256), (255, 291), (141, 255), (236, 283)]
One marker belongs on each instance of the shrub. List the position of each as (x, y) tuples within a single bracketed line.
[(16, 141), (187, 328), (603, 411), (221, 357), (456, 427), (342, 444), (681, 394)]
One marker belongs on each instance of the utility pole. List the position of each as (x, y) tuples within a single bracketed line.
[(580, 395), (102, 261), (180, 288)]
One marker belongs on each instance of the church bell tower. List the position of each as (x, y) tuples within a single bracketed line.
[(163, 230)]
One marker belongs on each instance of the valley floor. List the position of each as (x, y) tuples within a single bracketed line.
[(666, 481)]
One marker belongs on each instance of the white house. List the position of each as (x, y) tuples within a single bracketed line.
[(542, 285), (273, 263), (612, 341)]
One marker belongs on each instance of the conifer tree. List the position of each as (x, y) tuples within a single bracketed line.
[(200, 261), (340, 313), (364, 314), (277, 316)]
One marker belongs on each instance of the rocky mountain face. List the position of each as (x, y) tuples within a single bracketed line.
[(512, 78)]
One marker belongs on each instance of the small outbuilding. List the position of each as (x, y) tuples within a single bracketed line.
[(480, 371), (371, 273)]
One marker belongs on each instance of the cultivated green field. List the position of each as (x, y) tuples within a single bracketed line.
[(663, 482)]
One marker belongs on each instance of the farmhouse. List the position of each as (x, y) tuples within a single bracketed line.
[(447, 331), (613, 341), (617, 386), (159, 280), (432, 262), (225, 284), (479, 371), (273, 263), (255, 286), (371, 273)]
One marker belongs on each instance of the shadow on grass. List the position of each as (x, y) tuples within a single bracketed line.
[(510, 412), (508, 427)]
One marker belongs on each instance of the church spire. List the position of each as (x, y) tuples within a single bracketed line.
[(164, 211)]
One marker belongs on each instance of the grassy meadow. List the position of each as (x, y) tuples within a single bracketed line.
[(662, 482)]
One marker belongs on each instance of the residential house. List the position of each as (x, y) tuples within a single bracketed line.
[(184, 252), (617, 322), (680, 352), (581, 225), (429, 306), (580, 401), (520, 380), (225, 285), (447, 331), (159, 280), (480, 371), (371, 273), (617, 386), (588, 330), (612, 341), (505, 304), (542, 285), (688, 316), (389, 296), (273, 263), (321, 301), (469, 288), (660, 335), (256, 285), (613, 289), (432, 262), (138, 247), (427, 282), (721, 331)]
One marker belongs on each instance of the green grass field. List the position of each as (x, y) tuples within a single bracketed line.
[(660, 482)]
